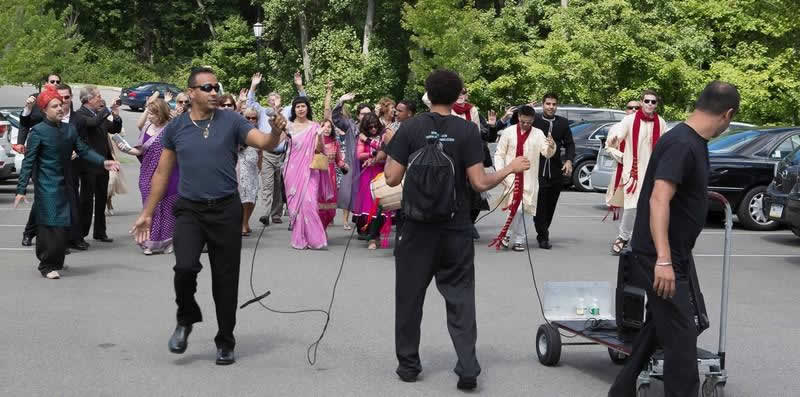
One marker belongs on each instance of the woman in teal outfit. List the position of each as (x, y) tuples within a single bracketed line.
[(50, 146)]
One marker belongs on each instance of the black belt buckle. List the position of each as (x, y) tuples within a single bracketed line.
[(215, 201)]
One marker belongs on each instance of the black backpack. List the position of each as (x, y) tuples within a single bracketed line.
[(429, 189)]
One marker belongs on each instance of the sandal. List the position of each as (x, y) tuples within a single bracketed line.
[(347, 226), (373, 245), (618, 245)]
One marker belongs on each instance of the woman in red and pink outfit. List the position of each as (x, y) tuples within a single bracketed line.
[(333, 149), (367, 220)]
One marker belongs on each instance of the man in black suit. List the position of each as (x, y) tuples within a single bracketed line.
[(93, 124)]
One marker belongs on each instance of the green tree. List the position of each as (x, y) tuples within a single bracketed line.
[(35, 42)]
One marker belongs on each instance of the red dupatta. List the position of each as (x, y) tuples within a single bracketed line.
[(516, 198)]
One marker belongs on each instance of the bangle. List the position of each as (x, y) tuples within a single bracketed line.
[(663, 263)]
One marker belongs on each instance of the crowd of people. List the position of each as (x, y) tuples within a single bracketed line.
[(203, 164)]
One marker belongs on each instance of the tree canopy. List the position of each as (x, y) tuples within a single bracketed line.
[(593, 52)]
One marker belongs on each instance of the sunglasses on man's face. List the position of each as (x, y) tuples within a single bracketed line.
[(650, 101), (183, 102), (227, 105), (66, 97), (633, 107), (207, 87), (55, 81), (251, 118)]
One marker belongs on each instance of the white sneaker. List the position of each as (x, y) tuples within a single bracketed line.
[(147, 251), (53, 275), (169, 250)]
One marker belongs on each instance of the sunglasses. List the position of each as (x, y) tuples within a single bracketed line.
[(633, 107), (66, 97), (227, 105), (183, 102), (650, 101), (251, 118), (55, 81), (208, 87)]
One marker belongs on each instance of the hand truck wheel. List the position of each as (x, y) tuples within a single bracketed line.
[(642, 390), (713, 389), (617, 357), (548, 345)]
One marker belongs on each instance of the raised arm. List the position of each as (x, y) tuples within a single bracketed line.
[(267, 141), (337, 115)]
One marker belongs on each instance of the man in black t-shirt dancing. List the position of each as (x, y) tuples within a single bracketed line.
[(672, 210), (441, 250)]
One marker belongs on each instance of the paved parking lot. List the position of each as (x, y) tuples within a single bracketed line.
[(103, 328)]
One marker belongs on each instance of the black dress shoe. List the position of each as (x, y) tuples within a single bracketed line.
[(80, 245), (406, 377), (104, 239), (545, 244), (264, 219), (180, 339), (225, 357), (27, 241), (467, 383)]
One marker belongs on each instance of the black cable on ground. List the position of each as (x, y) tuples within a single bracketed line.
[(311, 352)]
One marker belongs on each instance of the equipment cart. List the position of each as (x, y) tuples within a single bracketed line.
[(711, 365)]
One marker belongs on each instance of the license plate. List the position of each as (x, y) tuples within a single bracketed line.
[(775, 211)]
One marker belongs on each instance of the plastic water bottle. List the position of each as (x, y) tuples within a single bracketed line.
[(580, 309), (595, 309)]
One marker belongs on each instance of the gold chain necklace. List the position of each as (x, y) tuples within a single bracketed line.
[(205, 130)]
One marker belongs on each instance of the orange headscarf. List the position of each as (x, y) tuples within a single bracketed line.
[(48, 94)]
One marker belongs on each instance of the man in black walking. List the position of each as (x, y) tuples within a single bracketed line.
[(672, 210), (442, 250), (204, 143), (552, 170)]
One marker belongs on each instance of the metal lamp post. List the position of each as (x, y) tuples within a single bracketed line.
[(258, 30)]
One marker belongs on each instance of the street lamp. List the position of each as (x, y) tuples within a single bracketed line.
[(258, 30)]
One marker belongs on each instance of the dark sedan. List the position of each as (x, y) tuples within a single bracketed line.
[(136, 96), (588, 137), (743, 164), (791, 214), (786, 176)]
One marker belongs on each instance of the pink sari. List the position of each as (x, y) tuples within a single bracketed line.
[(305, 188)]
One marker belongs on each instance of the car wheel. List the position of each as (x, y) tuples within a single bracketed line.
[(582, 176), (134, 108), (751, 212)]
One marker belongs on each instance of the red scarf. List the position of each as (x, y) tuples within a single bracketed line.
[(464, 109), (516, 198), (637, 121)]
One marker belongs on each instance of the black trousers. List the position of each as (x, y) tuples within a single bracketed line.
[(423, 252), (93, 196), (545, 209), (51, 244), (217, 225), (373, 226), (669, 323)]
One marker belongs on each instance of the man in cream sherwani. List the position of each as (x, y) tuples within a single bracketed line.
[(631, 142), (535, 143)]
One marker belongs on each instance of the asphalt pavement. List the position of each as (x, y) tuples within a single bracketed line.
[(102, 329)]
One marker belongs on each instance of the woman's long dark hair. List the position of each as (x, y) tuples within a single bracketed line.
[(331, 134), (370, 120), (301, 99)]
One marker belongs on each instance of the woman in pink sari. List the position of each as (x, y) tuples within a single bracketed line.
[(305, 187), (333, 149)]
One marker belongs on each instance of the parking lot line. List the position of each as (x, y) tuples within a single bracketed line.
[(16, 249), (12, 225), (751, 255)]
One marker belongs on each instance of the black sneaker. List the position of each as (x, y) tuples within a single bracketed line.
[(408, 378), (467, 383), (264, 220)]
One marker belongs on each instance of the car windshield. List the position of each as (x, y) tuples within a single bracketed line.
[(733, 140), (143, 87)]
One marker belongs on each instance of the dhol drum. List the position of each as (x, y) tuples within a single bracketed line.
[(388, 197)]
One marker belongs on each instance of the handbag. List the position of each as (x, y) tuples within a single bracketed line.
[(319, 162)]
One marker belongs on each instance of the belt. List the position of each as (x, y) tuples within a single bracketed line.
[(212, 202)]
